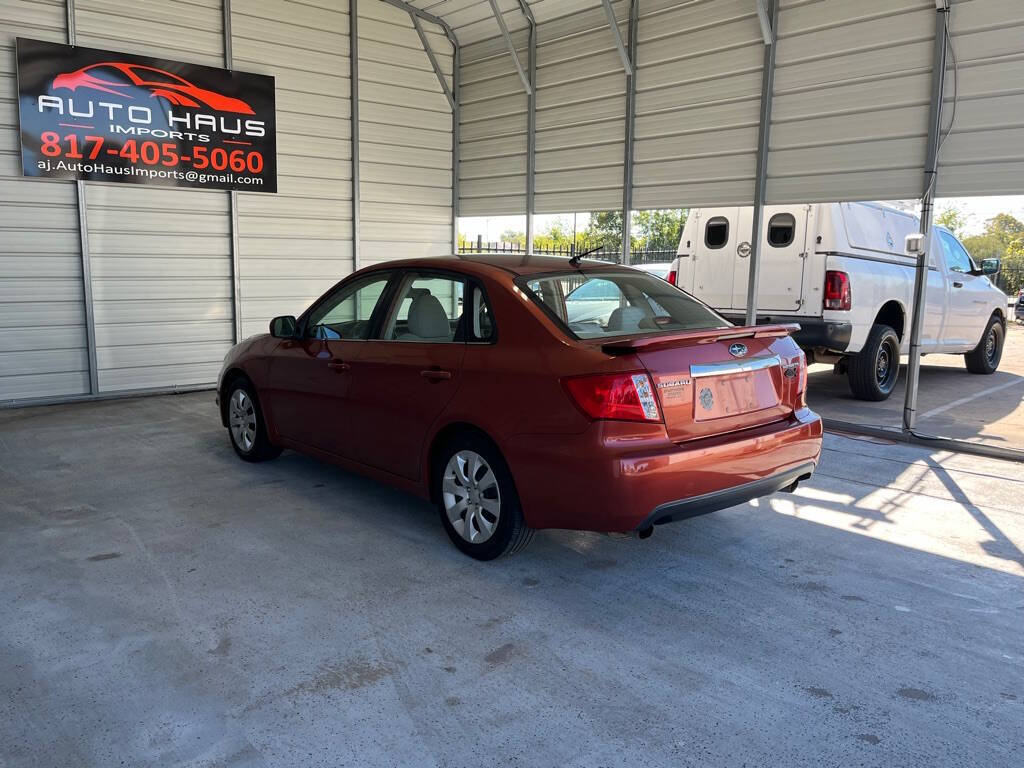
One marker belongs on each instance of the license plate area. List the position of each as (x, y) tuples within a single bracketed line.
[(734, 391)]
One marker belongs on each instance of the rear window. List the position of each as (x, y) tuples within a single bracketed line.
[(593, 305)]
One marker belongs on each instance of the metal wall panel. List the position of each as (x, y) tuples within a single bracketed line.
[(580, 114), (984, 154), (405, 145), (698, 101), (42, 306), (297, 243), (852, 88), (160, 257)]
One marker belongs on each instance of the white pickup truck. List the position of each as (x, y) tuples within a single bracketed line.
[(839, 270)]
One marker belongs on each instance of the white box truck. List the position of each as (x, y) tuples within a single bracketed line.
[(840, 271)]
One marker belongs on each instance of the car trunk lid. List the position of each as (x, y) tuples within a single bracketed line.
[(717, 380)]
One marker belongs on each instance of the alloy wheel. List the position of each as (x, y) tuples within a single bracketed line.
[(470, 495), (242, 420)]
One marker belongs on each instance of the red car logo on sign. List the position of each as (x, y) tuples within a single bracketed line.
[(119, 77)]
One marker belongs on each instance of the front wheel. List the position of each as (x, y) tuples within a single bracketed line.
[(246, 426), (477, 499), (873, 371), (985, 357)]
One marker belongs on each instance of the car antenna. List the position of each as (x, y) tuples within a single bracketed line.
[(575, 260)]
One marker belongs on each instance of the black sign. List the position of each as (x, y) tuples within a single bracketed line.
[(105, 116)]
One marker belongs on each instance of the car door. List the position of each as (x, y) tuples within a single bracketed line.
[(404, 378), (782, 252), (309, 378), (968, 295)]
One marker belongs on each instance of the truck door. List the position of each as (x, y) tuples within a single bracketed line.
[(968, 296), (714, 255), (783, 254)]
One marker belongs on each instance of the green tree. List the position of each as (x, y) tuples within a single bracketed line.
[(513, 236), (952, 218), (1002, 238), (658, 230), (604, 228)]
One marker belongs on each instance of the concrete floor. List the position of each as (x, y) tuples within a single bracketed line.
[(163, 603), (952, 402)]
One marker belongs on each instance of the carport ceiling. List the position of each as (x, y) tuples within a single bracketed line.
[(849, 103)]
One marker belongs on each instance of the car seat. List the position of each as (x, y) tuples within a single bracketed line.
[(427, 320)]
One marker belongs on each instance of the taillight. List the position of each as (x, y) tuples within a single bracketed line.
[(837, 290), (671, 277), (801, 382), (620, 396)]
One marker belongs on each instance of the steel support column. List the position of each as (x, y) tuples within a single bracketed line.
[(763, 138), (626, 55), (83, 244), (451, 93), (236, 279), (353, 97), (931, 166), (531, 125), (627, 163)]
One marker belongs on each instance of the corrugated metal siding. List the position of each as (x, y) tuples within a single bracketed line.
[(297, 243), (580, 115), (984, 154), (405, 138), (160, 257), (852, 88), (699, 67), (42, 315)]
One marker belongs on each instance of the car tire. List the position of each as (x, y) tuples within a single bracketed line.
[(873, 372), (477, 499), (247, 428), (984, 358)]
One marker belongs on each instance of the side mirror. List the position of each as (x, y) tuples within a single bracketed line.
[(914, 245), (284, 327), (990, 266)]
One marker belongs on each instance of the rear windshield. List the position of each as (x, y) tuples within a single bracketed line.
[(592, 305)]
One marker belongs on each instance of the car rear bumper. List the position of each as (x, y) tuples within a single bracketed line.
[(607, 479)]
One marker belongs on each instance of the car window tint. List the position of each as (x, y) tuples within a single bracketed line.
[(956, 257), (428, 309), (347, 314), (633, 303)]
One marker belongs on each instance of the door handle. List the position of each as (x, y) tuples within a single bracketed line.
[(338, 365), (435, 374), (957, 284)]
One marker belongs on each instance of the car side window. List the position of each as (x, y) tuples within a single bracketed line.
[(347, 314), (482, 325), (957, 258), (428, 309)]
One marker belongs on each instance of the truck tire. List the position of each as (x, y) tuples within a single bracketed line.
[(873, 371), (985, 357)]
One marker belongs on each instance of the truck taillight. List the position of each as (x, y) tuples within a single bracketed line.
[(619, 396), (837, 290), (671, 277)]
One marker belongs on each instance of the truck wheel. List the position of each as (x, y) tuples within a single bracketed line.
[(873, 371), (985, 357)]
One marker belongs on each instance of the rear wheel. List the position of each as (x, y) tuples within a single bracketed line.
[(873, 371), (985, 357), (477, 499), (246, 426)]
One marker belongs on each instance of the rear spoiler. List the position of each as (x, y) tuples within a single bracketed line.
[(703, 336)]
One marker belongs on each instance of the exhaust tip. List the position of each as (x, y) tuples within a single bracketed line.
[(645, 533)]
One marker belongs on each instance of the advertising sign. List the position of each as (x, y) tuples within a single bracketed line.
[(104, 116)]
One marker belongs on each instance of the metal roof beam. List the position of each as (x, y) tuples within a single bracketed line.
[(433, 61), (527, 86), (764, 16), (627, 63)]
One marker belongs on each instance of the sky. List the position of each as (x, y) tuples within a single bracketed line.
[(978, 210)]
